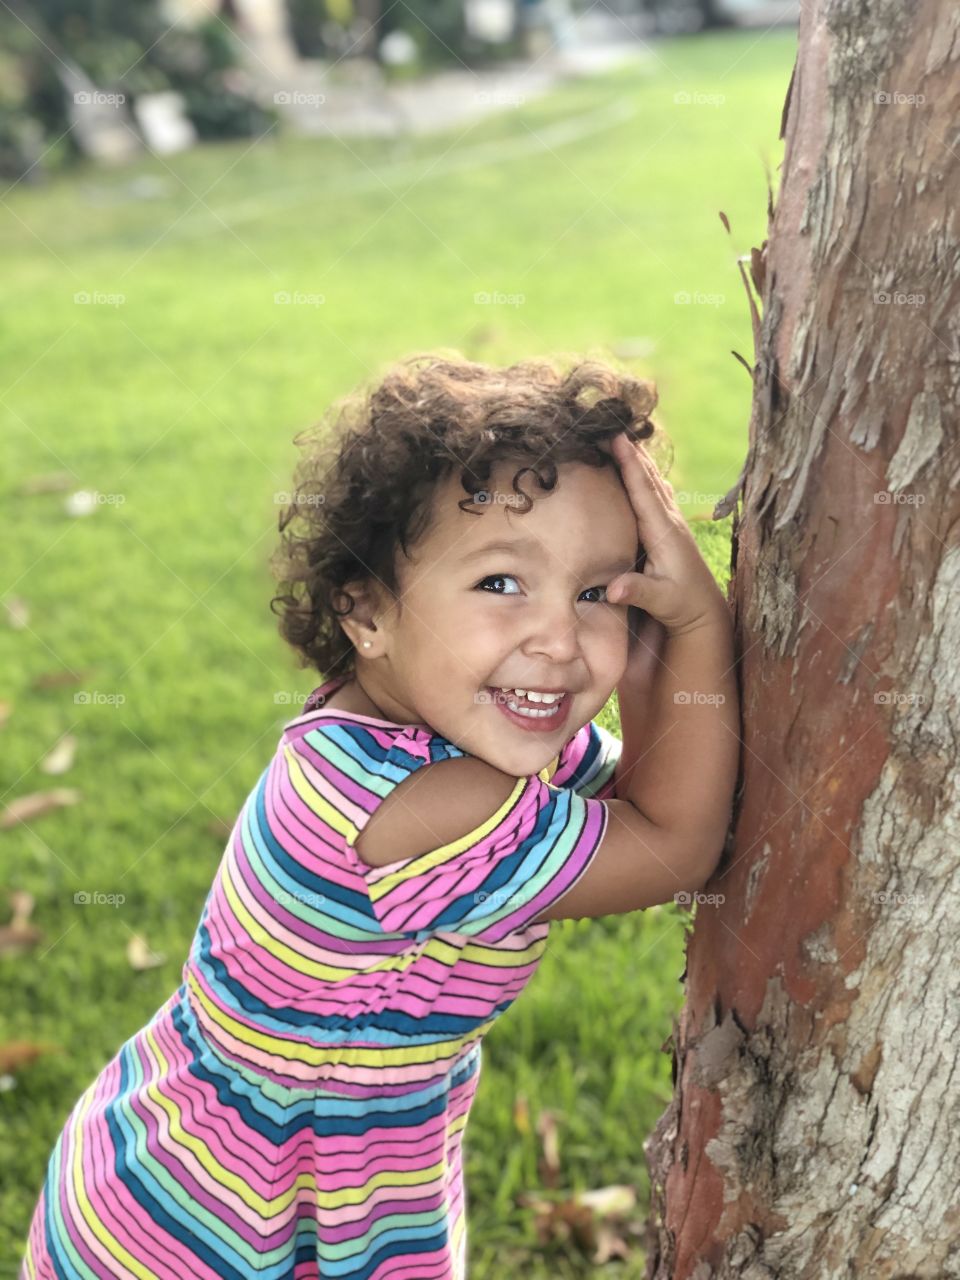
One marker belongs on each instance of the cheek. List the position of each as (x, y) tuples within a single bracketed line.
[(605, 640), (440, 638), (606, 625), (477, 616)]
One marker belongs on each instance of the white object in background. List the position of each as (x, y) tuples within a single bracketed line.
[(398, 48), (489, 20), (163, 123), (98, 118), (81, 503)]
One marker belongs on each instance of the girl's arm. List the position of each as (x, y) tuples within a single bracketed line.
[(679, 705), (680, 723)]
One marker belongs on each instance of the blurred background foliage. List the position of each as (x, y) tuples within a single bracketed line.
[(147, 47)]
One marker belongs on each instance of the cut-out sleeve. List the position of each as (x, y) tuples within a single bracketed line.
[(499, 877)]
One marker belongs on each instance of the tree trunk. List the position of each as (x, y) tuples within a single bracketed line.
[(815, 1126)]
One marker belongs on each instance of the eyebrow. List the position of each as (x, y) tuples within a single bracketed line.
[(529, 546)]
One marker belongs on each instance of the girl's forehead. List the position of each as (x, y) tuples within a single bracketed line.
[(587, 503)]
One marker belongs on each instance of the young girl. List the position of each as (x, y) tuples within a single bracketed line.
[(462, 554)]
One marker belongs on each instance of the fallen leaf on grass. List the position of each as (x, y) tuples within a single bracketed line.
[(550, 1161), (54, 679), (39, 802), (18, 933), (140, 955), (49, 482), (18, 612), (17, 1053), (521, 1114), (597, 1222), (60, 756), (610, 1202)]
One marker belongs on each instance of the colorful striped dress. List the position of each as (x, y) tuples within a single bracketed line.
[(296, 1109)]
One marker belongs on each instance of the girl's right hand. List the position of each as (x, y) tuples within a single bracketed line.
[(676, 585)]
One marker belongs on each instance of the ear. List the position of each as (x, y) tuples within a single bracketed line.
[(360, 624)]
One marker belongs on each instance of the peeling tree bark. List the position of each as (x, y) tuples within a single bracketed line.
[(815, 1126)]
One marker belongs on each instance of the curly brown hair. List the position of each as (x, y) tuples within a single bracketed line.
[(363, 486)]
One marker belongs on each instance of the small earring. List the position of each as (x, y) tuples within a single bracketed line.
[(366, 644)]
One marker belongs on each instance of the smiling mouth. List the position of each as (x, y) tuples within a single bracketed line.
[(532, 704)]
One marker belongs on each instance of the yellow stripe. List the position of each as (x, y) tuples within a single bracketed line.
[(322, 1055), (110, 1242), (458, 1231), (459, 1123), (494, 958), (410, 868), (388, 1178), (296, 960), (190, 1142), (325, 811), (548, 770)]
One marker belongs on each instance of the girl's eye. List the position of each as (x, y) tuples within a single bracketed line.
[(507, 577), (498, 577)]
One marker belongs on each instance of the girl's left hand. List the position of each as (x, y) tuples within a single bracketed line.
[(675, 586)]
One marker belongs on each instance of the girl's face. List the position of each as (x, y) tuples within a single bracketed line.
[(503, 600)]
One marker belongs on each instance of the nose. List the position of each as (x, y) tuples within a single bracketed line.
[(554, 633)]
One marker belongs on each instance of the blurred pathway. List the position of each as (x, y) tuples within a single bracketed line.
[(351, 99)]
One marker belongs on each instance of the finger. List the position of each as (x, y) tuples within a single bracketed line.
[(634, 449), (640, 590), (652, 505)]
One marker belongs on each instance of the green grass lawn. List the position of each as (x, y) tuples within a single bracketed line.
[(185, 398)]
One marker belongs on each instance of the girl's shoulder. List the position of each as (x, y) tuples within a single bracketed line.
[(368, 735), (586, 761), (457, 854)]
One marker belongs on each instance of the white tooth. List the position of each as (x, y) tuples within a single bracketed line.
[(521, 693), (534, 696)]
